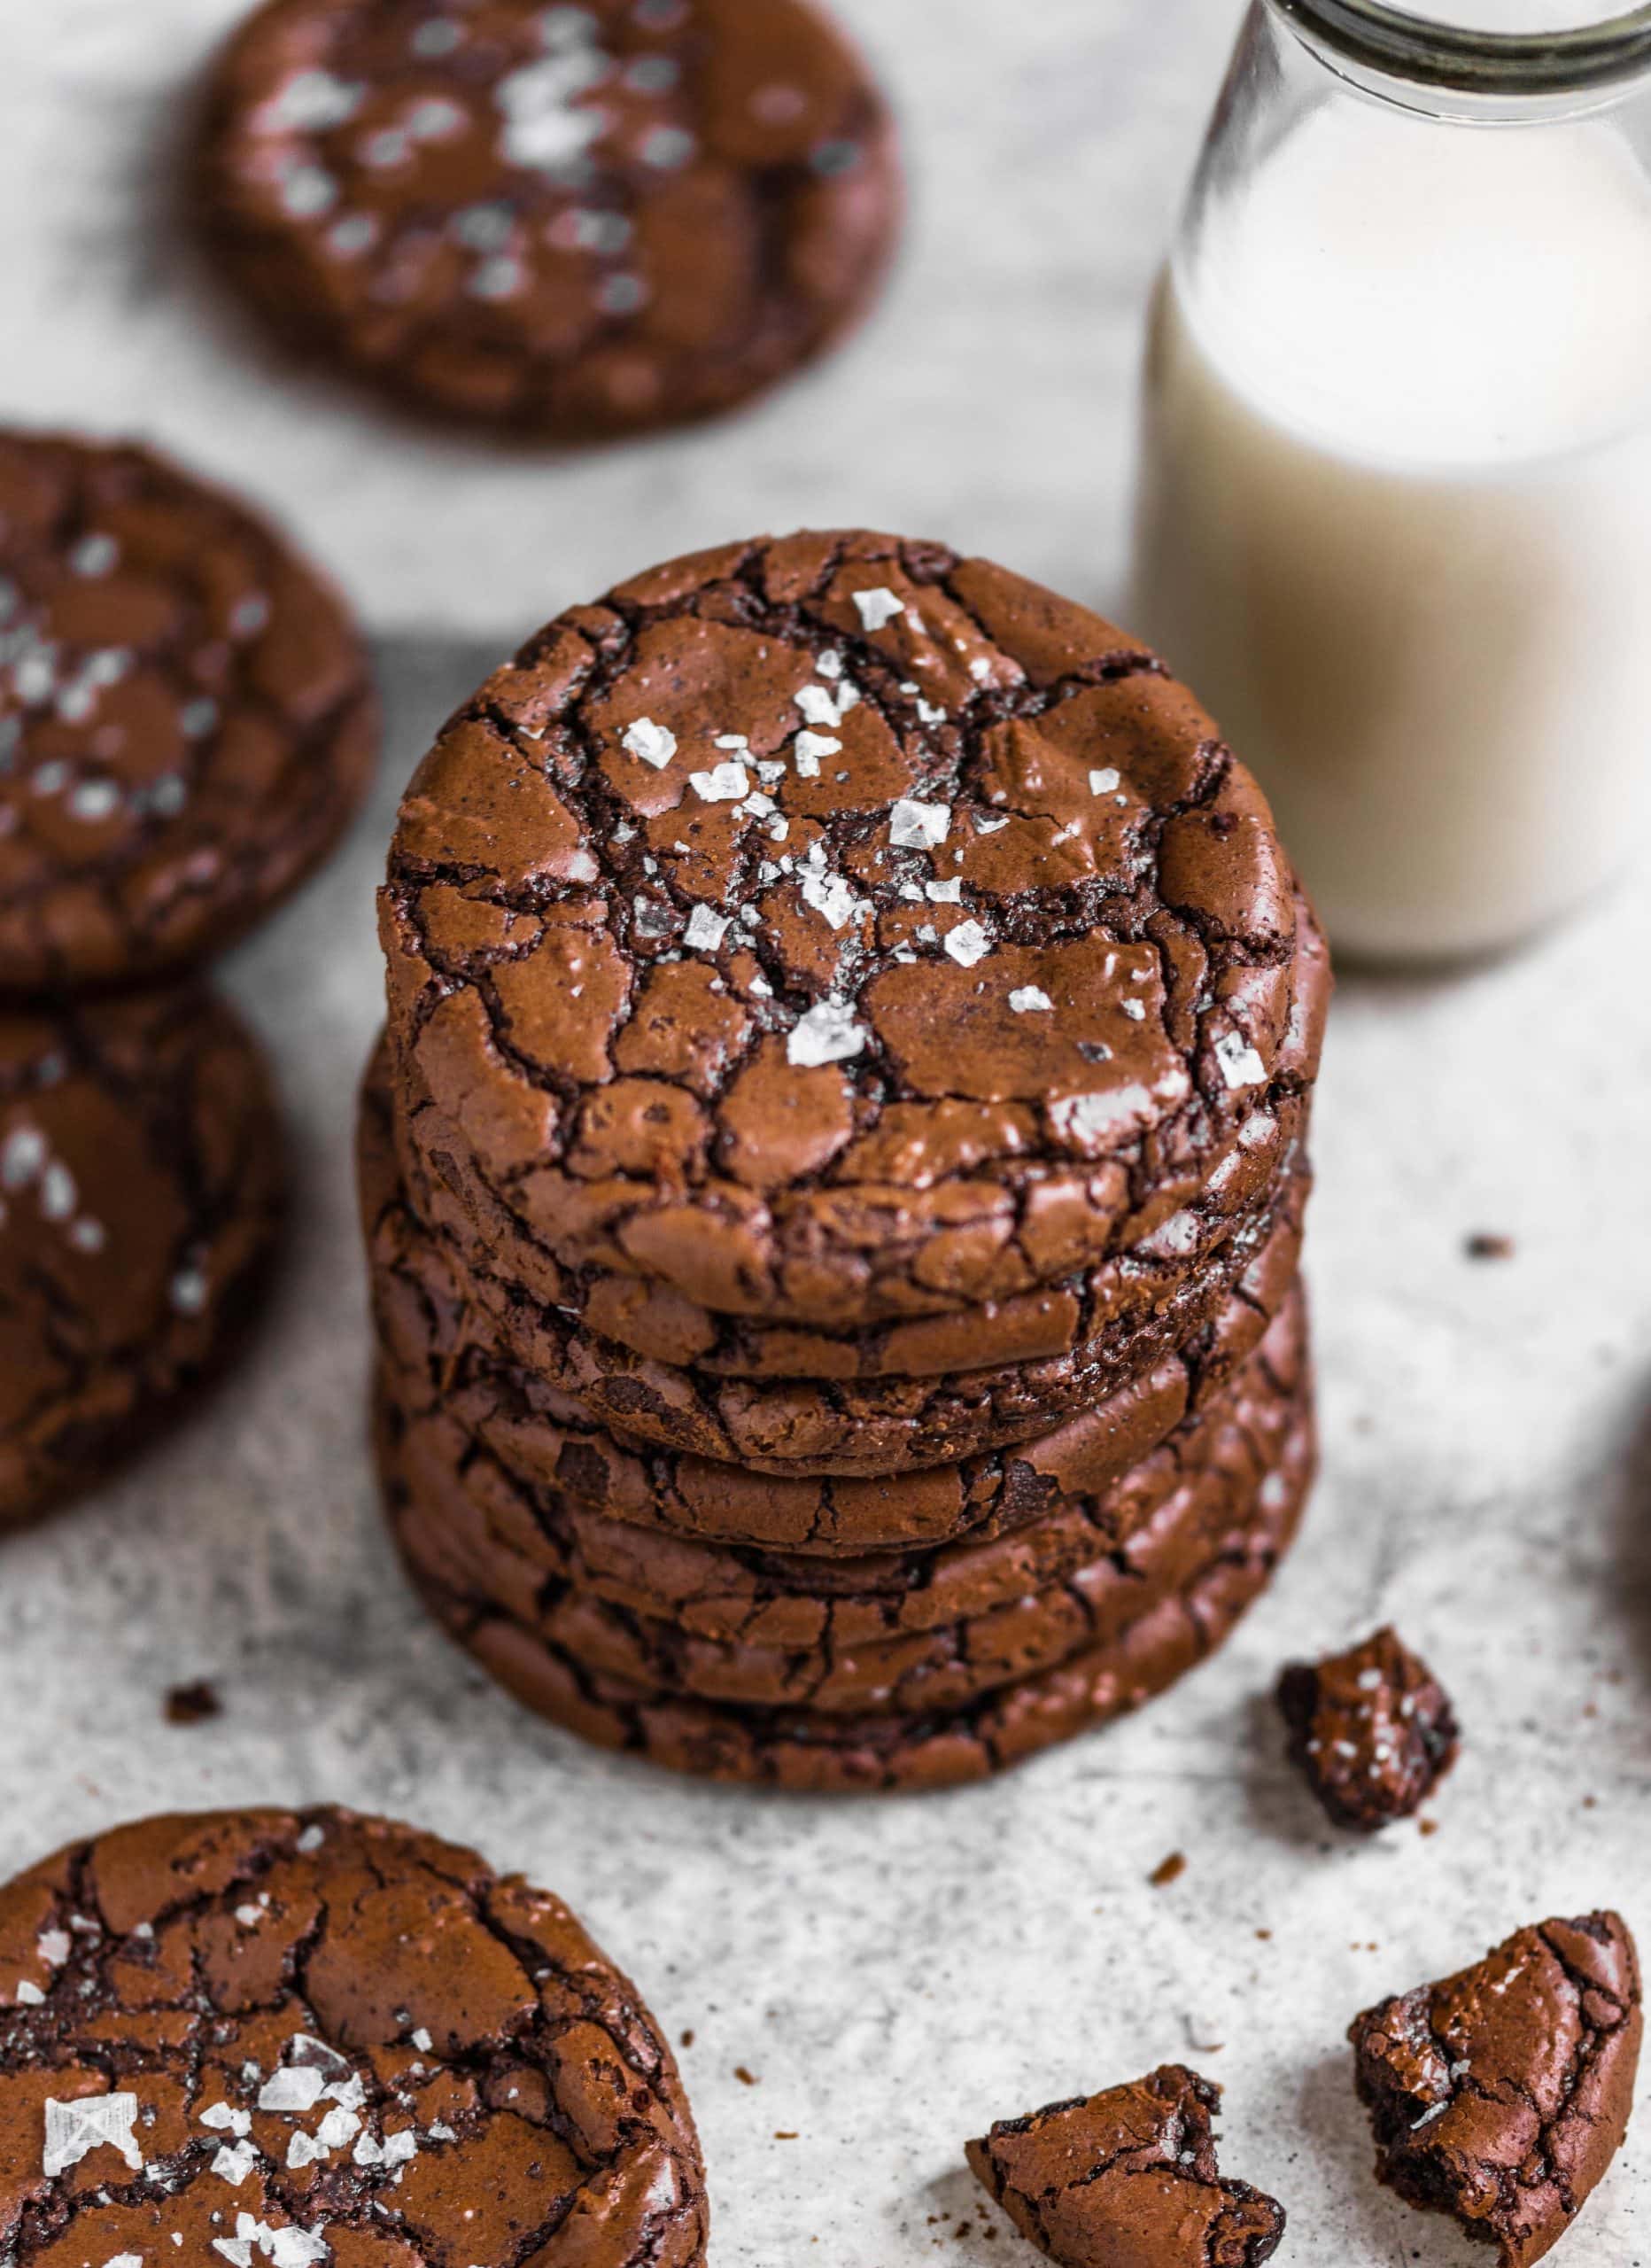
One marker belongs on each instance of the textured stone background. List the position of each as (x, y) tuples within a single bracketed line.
[(894, 1975)]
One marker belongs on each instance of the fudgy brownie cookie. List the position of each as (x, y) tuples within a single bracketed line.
[(810, 1749), (1127, 2180), (461, 1521), (308, 2037), (796, 1426), (835, 931), (790, 1601), (1372, 1730), (548, 1439), (658, 1322), (141, 1176), (186, 718), (573, 221), (1502, 2094)]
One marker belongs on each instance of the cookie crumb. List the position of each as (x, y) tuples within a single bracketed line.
[(1372, 1731), (1168, 1870), (1131, 2173), (745, 2078), (192, 1704), (1483, 1247), (1525, 2060), (687, 2040)]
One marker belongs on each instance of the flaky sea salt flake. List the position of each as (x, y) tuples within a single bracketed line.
[(705, 932), (724, 783), (827, 1034), (967, 944), (1240, 1065), (918, 827), (653, 743), (878, 608), (89, 2123)]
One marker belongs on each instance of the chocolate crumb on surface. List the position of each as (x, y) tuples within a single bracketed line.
[(1483, 1247), (1168, 1870), (1127, 2179), (1501, 2095), (192, 1704), (1372, 1729)]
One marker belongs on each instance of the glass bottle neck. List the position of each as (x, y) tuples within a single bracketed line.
[(1462, 70)]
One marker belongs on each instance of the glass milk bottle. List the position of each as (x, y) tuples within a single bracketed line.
[(1395, 511)]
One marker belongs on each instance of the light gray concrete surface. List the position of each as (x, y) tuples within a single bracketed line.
[(896, 1974)]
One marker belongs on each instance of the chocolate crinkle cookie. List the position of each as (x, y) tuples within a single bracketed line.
[(187, 721), (1372, 1729), (1128, 2180), (1502, 2094), (286, 2041), (142, 1182), (569, 221)]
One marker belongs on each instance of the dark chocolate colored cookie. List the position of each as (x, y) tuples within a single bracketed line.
[(1128, 2180), (141, 1173), (1372, 1731), (801, 1426), (186, 719), (569, 221), (461, 1519), (1502, 2094), (545, 1436), (290, 2041), (658, 1322), (810, 1749), (834, 931), (750, 1597)]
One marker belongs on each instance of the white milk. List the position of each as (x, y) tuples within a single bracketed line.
[(1395, 518)]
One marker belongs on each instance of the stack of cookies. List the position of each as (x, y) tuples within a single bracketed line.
[(186, 726), (834, 1174)]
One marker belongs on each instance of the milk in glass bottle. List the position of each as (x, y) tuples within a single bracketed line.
[(1395, 511)]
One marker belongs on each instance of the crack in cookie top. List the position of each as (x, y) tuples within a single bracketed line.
[(186, 722), (281, 2041), (813, 919), (582, 218)]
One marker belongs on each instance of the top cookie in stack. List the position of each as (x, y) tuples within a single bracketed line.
[(847, 1007)]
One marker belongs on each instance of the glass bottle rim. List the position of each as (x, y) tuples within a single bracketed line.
[(1424, 52)]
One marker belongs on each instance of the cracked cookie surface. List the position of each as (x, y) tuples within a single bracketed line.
[(1371, 1730), (142, 1170), (835, 931), (747, 1594), (461, 1519), (1127, 2179), (801, 1427), (569, 219), (1501, 2095), (187, 723), (805, 1749), (548, 1439), (282, 2040)]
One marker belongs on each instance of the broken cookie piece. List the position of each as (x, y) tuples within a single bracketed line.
[(1127, 2180), (1372, 1729), (1501, 2095)]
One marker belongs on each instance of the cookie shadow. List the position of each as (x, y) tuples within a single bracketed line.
[(1277, 1799), (960, 2214), (1371, 2224), (1627, 1571)]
